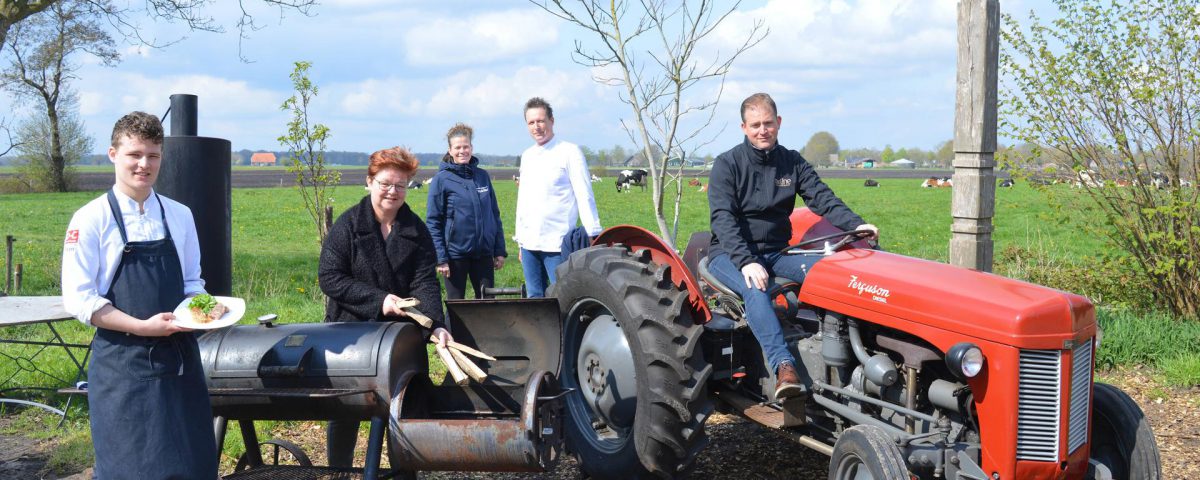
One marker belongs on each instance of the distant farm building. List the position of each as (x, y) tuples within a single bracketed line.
[(904, 163), (263, 159), (860, 163)]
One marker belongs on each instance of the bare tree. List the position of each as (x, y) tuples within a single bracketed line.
[(124, 19), (654, 46), (36, 163), (40, 69)]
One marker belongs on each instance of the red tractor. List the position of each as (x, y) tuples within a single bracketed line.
[(914, 369)]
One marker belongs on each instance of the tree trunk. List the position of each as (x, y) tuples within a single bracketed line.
[(58, 179)]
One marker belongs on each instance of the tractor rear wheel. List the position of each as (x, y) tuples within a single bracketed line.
[(630, 353), (1121, 436), (865, 452)]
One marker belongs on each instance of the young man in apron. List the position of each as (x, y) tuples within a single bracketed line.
[(129, 258)]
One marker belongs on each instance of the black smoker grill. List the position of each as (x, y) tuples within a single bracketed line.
[(376, 372)]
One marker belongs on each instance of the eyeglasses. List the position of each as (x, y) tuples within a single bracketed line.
[(396, 187)]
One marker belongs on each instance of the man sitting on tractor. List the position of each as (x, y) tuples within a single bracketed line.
[(752, 190)]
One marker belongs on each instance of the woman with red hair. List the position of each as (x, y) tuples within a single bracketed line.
[(377, 253)]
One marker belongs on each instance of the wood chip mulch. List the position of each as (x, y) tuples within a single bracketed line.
[(737, 448)]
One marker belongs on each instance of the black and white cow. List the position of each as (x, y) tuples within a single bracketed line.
[(628, 178)]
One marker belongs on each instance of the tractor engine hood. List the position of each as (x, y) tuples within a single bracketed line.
[(900, 291)]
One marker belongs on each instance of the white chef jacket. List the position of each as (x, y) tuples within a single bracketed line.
[(555, 192), (92, 248)]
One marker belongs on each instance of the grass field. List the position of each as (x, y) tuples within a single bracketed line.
[(275, 247), (275, 256)]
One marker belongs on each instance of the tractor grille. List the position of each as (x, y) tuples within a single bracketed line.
[(1081, 393), (1039, 401)]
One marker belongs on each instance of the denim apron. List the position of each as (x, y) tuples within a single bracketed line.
[(150, 413)]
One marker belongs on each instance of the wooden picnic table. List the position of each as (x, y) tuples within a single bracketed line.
[(17, 311)]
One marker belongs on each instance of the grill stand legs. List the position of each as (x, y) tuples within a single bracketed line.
[(374, 448), (219, 425), (254, 453), (250, 438)]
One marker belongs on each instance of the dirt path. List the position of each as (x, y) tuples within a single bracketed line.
[(737, 449)]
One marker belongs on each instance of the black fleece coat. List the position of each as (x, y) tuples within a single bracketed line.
[(358, 269), (751, 194)]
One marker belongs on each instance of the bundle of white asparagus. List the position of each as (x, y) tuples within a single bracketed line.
[(408, 306), (454, 354)]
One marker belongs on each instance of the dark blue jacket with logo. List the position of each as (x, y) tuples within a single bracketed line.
[(462, 214), (751, 193)]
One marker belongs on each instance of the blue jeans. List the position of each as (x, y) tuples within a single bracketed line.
[(760, 313), (539, 270)]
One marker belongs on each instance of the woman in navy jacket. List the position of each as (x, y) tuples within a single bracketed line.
[(464, 219)]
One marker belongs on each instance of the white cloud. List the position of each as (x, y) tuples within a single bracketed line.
[(823, 33), (136, 51), (91, 103), (484, 95), (375, 97), (482, 38), (466, 93), (231, 109), (219, 96)]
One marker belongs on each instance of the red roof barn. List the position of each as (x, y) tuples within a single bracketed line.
[(262, 158)]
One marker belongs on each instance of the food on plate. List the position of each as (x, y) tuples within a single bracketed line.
[(205, 308)]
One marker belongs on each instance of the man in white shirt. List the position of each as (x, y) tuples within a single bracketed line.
[(555, 192), (129, 258)]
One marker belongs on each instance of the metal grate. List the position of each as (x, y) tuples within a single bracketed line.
[(292, 472), (1081, 395), (1039, 402), (285, 392)]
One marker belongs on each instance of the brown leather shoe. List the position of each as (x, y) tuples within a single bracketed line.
[(787, 382)]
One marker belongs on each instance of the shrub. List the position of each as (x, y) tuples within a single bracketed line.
[(1106, 280), (1106, 91)]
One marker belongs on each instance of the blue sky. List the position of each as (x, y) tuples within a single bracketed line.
[(872, 72)]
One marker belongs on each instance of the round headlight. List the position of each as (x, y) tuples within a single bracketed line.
[(972, 362), (965, 360)]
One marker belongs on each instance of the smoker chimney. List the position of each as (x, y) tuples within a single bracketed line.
[(195, 172)]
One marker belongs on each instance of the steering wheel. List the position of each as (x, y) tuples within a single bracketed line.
[(847, 237)]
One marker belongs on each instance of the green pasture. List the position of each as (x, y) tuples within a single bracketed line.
[(275, 248), (276, 251)]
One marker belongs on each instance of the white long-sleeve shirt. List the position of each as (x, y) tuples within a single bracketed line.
[(92, 248), (555, 192)]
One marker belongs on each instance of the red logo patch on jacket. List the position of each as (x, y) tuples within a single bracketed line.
[(72, 237)]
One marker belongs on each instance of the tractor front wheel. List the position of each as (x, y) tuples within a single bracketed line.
[(865, 452), (630, 355), (1121, 436)]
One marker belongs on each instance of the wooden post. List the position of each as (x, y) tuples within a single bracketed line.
[(8, 266), (974, 201)]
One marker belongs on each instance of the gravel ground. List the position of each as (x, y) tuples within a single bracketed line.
[(737, 448)]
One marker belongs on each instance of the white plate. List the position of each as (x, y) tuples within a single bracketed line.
[(236, 306)]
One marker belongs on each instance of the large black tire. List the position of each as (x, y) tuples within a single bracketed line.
[(639, 405), (1121, 435), (864, 452)]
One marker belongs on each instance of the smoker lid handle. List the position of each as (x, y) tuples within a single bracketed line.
[(287, 370)]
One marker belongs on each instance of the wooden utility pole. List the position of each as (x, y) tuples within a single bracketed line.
[(974, 200)]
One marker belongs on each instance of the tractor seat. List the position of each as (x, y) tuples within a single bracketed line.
[(774, 283)]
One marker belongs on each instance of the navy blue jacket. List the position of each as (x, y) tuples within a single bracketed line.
[(462, 214), (751, 194)]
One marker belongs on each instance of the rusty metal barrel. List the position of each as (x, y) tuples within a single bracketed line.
[(510, 422), (376, 371)]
